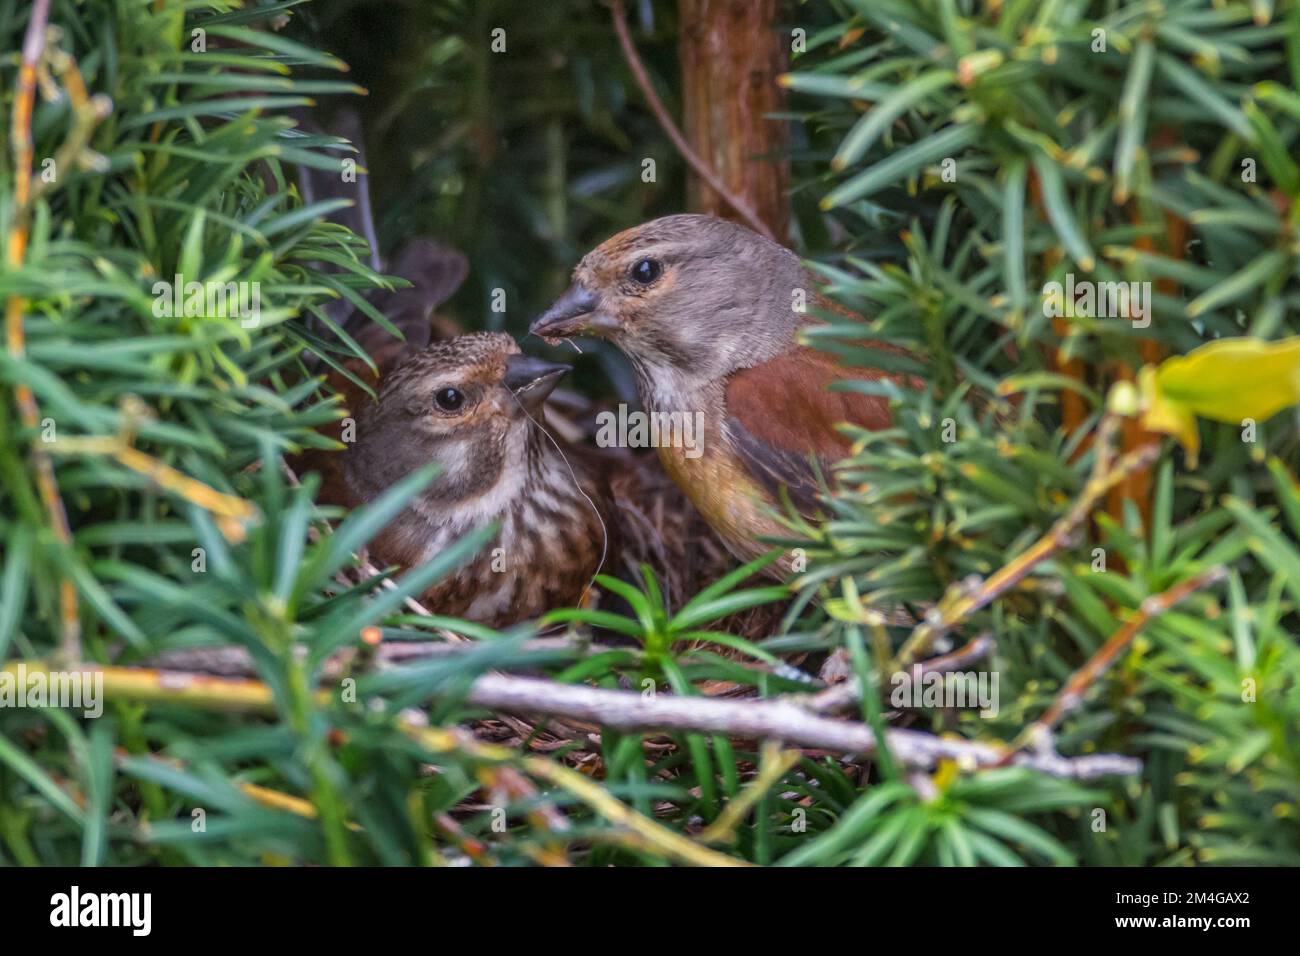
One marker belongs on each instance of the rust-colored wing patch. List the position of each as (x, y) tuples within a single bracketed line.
[(780, 416)]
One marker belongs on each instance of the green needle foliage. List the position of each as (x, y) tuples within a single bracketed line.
[(964, 155), (1004, 148), (188, 176), (659, 631)]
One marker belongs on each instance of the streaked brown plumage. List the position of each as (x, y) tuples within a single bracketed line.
[(497, 466), (706, 311), (497, 463)]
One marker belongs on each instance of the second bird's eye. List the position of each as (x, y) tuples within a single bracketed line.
[(646, 271), (448, 399)]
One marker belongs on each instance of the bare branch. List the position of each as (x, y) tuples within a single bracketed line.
[(1071, 695), (753, 719), (760, 720), (231, 661)]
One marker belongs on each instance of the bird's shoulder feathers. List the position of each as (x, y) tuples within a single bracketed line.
[(779, 413)]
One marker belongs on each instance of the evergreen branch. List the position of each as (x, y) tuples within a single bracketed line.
[(15, 308), (512, 784), (229, 511), (250, 696), (263, 796), (964, 599), (1071, 695)]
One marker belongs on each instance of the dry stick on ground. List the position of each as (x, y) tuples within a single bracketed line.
[(670, 129), (627, 710), (963, 600), (1071, 695)]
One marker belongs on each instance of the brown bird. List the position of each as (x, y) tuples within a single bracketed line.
[(474, 405), (471, 403), (707, 311)]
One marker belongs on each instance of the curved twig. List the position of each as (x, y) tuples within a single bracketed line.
[(660, 112), (849, 692)]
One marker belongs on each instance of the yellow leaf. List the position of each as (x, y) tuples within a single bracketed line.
[(1233, 379), (1166, 416), (1225, 381)]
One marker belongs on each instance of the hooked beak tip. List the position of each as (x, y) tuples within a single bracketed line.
[(568, 315)]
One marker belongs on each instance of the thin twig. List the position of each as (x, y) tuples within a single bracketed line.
[(234, 661), (964, 599), (777, 719), (1071, 695), (230, 512), (849, 692), (670, 129)]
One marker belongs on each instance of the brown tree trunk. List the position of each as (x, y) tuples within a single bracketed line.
[(731, 55)]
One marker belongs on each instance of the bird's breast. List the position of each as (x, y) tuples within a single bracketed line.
[(547, 549), (721, 490)]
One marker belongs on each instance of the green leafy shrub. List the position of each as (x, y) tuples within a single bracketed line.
[(166, 436)]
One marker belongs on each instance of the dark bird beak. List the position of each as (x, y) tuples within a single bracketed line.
[(570, 314), (532, 379)]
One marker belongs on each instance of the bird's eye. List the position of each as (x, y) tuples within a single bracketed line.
[(448, 399), (646, 271)]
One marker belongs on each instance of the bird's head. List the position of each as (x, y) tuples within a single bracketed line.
[(469, 404), (696, 295)]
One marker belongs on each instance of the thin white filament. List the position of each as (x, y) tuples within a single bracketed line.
[(604, 532)]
